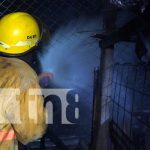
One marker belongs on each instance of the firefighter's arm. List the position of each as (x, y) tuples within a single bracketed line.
[(30, 116)]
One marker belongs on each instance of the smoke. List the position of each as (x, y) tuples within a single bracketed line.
[(72, 54)]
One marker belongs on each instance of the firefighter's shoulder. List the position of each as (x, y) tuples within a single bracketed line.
[(16, 69)]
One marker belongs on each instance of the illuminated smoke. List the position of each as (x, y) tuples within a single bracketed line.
[(72, 54)]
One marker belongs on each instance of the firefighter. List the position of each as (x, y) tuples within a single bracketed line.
[(22, 115)]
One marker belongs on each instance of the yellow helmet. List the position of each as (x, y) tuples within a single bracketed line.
[(19, 32)]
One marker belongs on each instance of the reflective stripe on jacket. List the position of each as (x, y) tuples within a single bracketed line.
[(7, 135)]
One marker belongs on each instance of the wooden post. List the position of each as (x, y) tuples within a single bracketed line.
[(96, 109), (100, 141)]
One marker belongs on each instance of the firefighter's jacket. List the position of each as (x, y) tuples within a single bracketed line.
[(22, 115)]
